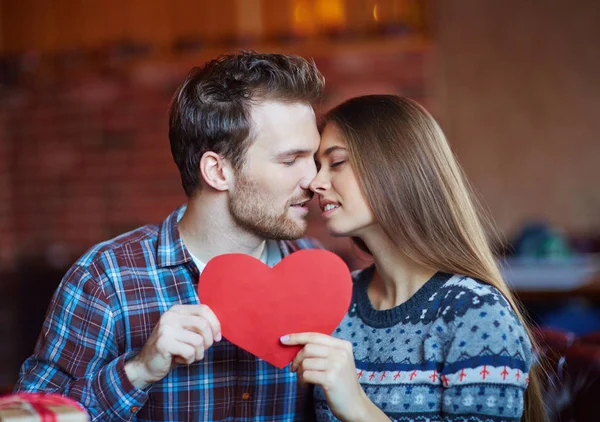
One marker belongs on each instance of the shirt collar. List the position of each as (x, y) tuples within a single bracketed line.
[(171, 250), (273, 253)]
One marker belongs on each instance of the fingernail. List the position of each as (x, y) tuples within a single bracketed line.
[(284, 338), (219, 337)]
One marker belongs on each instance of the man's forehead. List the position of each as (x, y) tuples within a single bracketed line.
[(273, 111), (280, 126)]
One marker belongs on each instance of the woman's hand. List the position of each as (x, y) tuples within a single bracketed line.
[(329, 362)]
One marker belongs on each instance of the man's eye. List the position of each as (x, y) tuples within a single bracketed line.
[(289, 162), (337, 163)]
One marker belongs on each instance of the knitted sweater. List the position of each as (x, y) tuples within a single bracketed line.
[(454, 351)]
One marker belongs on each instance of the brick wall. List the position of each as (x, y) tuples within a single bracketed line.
[(7, 246), (85, 154), (90, 160)]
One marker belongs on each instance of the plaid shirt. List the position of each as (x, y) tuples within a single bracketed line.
[(104, 311)]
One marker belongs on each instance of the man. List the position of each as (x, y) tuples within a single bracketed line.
[(125, 334)]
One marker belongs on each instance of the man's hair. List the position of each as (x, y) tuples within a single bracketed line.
[(211, 109)]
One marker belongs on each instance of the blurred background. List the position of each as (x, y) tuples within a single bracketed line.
[(84, 155)]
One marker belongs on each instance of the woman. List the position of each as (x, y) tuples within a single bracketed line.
[(433, 332)]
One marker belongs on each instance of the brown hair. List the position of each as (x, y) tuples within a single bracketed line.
[(430, 212), (211, 109)]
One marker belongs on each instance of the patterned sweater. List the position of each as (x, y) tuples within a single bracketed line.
[(455, 351)]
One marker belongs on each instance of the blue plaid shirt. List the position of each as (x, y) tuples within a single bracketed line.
[(104, 311)]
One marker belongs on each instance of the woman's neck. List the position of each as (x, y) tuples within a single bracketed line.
[(396, 277)]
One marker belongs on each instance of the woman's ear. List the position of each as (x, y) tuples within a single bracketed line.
[(216, 171)]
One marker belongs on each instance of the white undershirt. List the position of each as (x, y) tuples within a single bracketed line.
[(200, 265)]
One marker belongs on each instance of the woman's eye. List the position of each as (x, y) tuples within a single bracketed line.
[(337, 163), (289, 163)]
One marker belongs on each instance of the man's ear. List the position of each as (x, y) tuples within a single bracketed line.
[(216, 171)]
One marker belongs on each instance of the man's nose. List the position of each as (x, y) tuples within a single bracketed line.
[(309, 176)]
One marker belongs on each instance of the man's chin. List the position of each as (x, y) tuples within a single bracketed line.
[(299, 230), (288, 229)]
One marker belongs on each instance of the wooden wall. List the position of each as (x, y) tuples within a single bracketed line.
[(517, 90)]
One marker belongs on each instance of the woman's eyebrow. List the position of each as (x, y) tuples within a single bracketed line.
[(333, 148)]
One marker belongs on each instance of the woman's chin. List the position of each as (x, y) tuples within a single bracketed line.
[(335, 232)]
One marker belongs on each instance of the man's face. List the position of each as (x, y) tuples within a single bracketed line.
[(271, 191)]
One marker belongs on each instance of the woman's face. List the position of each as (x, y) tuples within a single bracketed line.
[(343, 205)]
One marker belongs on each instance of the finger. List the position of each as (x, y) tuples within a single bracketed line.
[(314, 364), (315, 338), (313, 377), (203, 311), (198, 325), (310, 351), (214, 322), (316, 351), (193, 339), (182, 353), (170, 345)]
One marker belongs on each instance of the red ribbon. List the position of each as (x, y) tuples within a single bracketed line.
[(39, 402)]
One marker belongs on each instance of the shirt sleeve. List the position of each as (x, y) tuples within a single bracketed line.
[(76, 354), (486, 364)]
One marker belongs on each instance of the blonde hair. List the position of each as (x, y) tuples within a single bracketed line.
[(430, 211)]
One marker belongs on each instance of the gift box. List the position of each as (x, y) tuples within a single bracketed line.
[(37, 407)]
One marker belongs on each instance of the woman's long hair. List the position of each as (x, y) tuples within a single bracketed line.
[(421, 199)]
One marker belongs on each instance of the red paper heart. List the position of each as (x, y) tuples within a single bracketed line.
[(308, 291)]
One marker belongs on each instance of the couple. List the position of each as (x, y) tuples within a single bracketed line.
[(432, 332)]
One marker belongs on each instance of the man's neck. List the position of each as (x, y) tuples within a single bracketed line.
[(208, 230)]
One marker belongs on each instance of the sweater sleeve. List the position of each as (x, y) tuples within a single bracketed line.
[(486, 356)]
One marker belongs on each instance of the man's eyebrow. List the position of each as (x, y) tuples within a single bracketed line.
[(293, 152)]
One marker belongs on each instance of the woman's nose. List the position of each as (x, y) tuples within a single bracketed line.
[(319, 183)]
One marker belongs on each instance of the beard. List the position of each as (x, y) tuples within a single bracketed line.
[(254, 212)]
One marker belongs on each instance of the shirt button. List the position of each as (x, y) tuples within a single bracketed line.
[(246, 396), (134, 409)]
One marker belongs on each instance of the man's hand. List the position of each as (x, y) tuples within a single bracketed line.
[(182, 336)]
